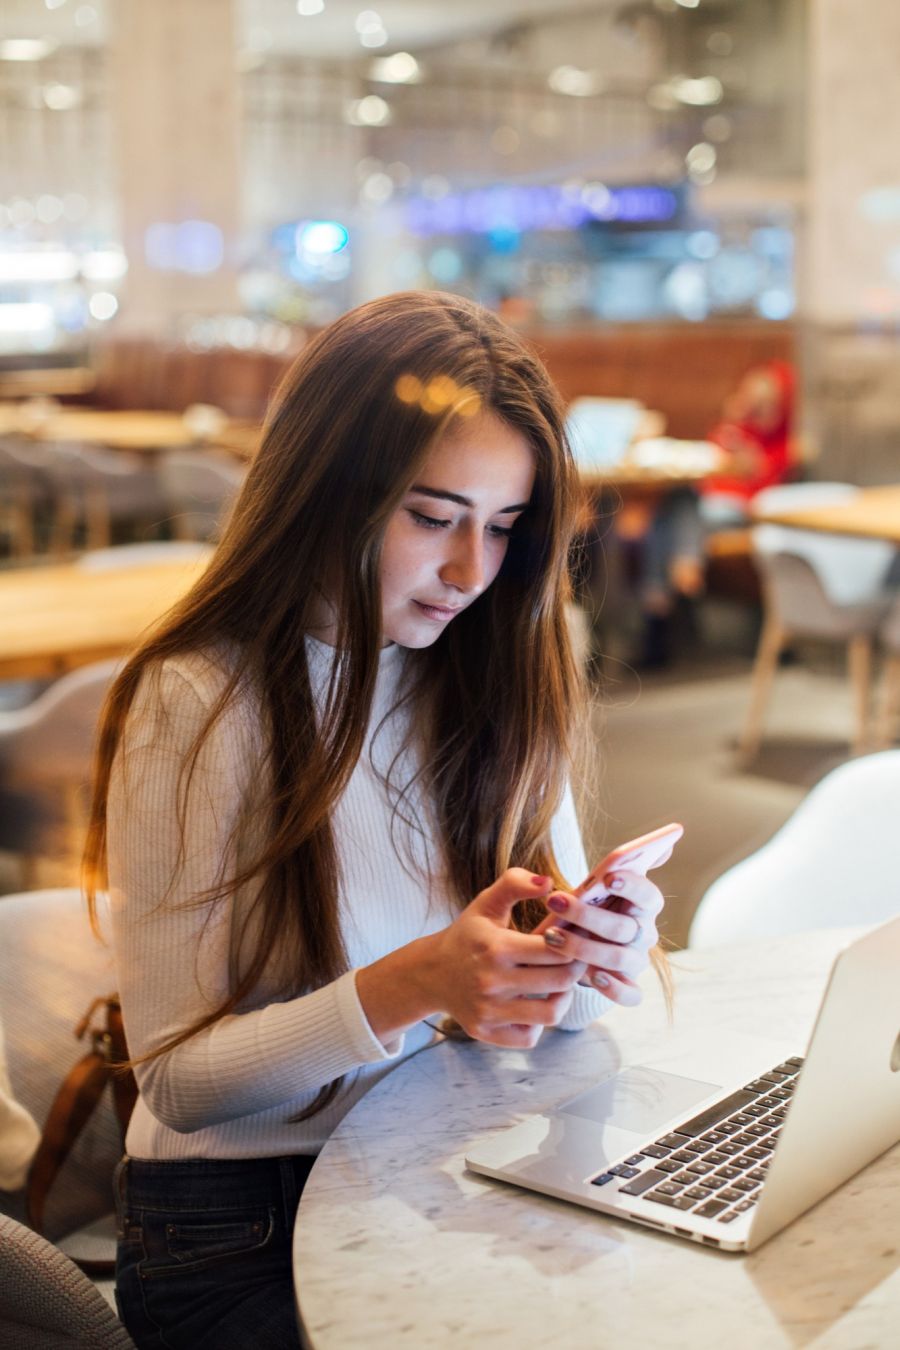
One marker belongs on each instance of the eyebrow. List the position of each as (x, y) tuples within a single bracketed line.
[(462, 501)]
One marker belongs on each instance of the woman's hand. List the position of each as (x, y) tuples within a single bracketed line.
[(613, 943), (500, 985)]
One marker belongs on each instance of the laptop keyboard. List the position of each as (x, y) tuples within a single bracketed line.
[(714, 1164)]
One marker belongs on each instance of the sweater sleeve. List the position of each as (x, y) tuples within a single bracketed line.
[(587, 1004), (174, 952)]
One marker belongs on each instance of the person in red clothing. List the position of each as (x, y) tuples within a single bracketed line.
[(755, 434)]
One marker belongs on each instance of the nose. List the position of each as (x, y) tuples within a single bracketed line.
[(463, 565)]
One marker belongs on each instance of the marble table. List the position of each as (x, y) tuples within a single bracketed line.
[(398, 1247)]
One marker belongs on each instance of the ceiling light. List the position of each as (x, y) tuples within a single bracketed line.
[(25, 49), (698, 93), (701, 158), (577, 83), (103, 305), (61, 97), (368, 22), (371, 111), (377, 189), (310, 7), (401, 68)]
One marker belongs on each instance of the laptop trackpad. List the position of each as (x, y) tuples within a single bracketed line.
[(639, 1099)]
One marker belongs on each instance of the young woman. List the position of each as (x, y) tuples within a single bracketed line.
[(332, 801)]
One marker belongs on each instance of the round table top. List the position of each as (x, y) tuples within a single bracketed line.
[(397, 1245)]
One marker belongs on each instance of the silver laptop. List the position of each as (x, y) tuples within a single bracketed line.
[(729, 1163)]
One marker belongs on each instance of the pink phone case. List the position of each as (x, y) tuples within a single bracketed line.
[(638, 855)]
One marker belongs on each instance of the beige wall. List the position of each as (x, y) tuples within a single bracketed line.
[(850, 261), (175, 113)]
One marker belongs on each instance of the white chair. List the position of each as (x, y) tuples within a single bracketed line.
[(200, 487), (815, 585), (52, 968), (46, 1303), (46, 751), (835, 862)]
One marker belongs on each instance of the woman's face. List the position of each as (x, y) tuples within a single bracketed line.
[(446, 541)]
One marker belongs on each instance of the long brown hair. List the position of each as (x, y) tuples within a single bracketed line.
[(493, 700)]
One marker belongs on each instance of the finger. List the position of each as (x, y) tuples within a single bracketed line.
[(594, 952), (540, 980), (544, 1012), (514, 1036), (527, 949), (496, 902), (617, 988), (607, 925), (639, 890), (529, 1012)]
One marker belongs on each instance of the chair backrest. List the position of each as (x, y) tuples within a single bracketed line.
[(52, 739), (200, 486), (52, 967), (46, 1303), (851, 571), (890, 629), (835, 862)]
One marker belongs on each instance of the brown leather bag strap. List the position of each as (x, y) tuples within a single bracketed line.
[(76, 1100), (72, 1106), (124, 1087)]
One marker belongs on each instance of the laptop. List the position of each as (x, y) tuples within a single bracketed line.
[(729, 1161), (600, 430)]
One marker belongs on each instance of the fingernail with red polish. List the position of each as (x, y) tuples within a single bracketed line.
[(558, 903), (539, 881)]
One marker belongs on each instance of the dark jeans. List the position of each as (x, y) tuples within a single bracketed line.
[(204, 1253)]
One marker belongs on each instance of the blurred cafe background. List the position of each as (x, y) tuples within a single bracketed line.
[(660, 194)]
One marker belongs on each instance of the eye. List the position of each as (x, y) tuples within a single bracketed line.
[(428, 522), (500, 531)]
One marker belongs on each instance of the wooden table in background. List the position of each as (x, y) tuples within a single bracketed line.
[(874, 513), (47, 382), (53, 619), (142, 431)]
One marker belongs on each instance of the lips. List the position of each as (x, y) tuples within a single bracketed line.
[(438, 612)]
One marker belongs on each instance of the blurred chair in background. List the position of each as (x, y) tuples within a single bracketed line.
[(46, 1303), (46, 751), (80, 495), (889, 708), (27, 496), (21, 491), (816, 585), (835, 862), (52, 968), (99, 492), (200, 486)]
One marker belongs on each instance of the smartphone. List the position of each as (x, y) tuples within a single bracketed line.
[(638, 855)]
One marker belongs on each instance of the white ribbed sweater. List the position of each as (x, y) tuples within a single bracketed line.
[(230, 1091)]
